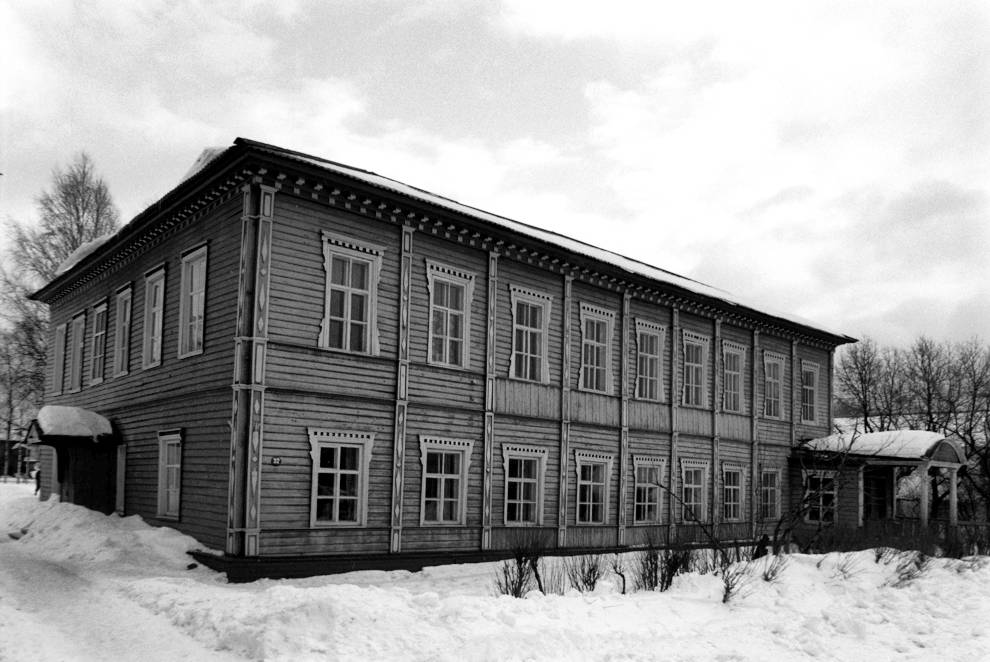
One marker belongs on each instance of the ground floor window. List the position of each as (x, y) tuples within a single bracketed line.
[(339, 492), (445, 471), (525, 471), (648, 502), (694, 489), (819, 496), (169, 473), (732, 493), (769, 494), (593, 472)]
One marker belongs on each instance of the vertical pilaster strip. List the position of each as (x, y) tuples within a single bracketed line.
[(486, 516), (755, 434), (831, 373), (565, 410), (795, 391), (624, 358), (716, 421), (401, 389), (675, 397)]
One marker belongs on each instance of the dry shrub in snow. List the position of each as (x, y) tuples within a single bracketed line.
[(773, 567), (584, 571), (554, 575), (847, 566), (734, 579), (912, 565), (514, 577), (655, 569), (619, 570)]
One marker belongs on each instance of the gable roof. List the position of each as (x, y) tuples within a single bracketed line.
[(214, 160)]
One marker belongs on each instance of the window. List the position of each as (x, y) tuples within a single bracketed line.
[(694, 489), (648, 497), (596, 345), (445, 474), (169, 473), (58, 365), (99, 348), (819, 496), (773, 365), (154, 304), (732, 493), (350, 315), (193, 303), (525, 470), (122, 333), (530, 324), (809, 391), (649, 349), (733, 365), (76, 345), (451, 292), (695, 355), (593, 472), (770, 494), (339, 489)]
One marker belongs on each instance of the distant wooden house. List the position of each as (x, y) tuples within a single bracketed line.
[(304, 360)]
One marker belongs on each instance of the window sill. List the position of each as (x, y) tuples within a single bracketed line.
[(151, 365), (652, 401), (583, 389), (336, 525), (188, 354), (348, 352), (528, 381)]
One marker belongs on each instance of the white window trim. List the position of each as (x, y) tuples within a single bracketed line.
[(524, 452), (821, 473), (334, 244), (643, 326), (706, 479), (649, 461), (810, 366), (689, 337), (165, 439), (462, 446), (769, 358), (589, 457), (58, 363), (597, 314), (436, 271), (730, 347), (122, 333), (728, 467), (776, 494), (319, 437), (188, 261), (532, 297), (77, 348), (147, 359), (98, 340)]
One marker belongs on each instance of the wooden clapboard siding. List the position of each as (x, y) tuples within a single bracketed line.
[(440, 538), (655, 535), (446, 387), (298, 279), (315, 542), (286, 488), (735, 426), (694, 421), (595, 408), (315, 370), (519, 398), (595, 440), (427, 422), (523, 536), (651, 416), (529, 277), (592, 536), (543, 434)]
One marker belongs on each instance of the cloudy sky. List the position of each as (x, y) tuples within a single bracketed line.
[(826, 159)]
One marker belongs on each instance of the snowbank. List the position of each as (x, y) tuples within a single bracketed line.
[(826, 607)]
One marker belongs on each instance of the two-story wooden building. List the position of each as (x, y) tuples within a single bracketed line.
[(303, 359)]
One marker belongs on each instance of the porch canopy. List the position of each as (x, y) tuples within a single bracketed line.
[(900, 448), (59, 425)]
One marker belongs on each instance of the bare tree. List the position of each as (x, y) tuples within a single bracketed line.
[(856, 380), (929, 379)]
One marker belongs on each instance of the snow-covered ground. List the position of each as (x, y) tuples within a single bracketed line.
[(81, 586)]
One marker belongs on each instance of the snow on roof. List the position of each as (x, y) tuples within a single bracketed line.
[(85, 249), (907, 444), (204, 158), (62, 421), (572, 245)]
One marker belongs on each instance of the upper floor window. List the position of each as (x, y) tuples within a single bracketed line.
[(339, 488), (773, 391), (733, 365), (694, 490), (99, 346), (770, 494), (58, 365), (530, 330), (732, 493), (809, 391), (154, 308), (193, 303), (593, 473), (525, 470), (596, 345), (445, 475), (451, 292), (169, 473), (648, 495), (649, 361), (819, 496), (122, 333), (695, 359), (77, 342), (350, 316)]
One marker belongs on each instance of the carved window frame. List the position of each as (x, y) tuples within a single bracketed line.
[(439, 272), (540, 300), (738, 490), (649, 462), (460, 447), (693, 466), (592, 349), (320, 438), (809, 402), (774, 402), (658, 331), (526, 453), (733, 401), (592, 459), (692, 394), (372, 256), (769, 494)]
